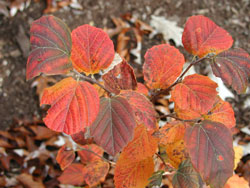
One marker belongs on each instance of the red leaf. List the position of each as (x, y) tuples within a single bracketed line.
[(114, 125), (51, 46), (210, 147), (74, 105), (79, 138), (196, 92), (64, 157), (95, 172), (73, 175), (222, 112), (92, 49), (142, 108), (89, 156), (202, 36), (141, 88), (121, 77), (233, 67), (163, 64)]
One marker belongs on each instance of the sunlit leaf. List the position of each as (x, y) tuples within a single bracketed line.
[(176, 153), (172, 143), (92, 49), (74, 105), (163, 64), (133, 174), (195, 92), (114, 125), (222, 112), (202, 36), (171, 132), (238, 153), (142, 146), (210, 147), (50, 47), (233, 67), (236, 182), (121, 77), (95, 172), (187, 177), (143, 109), (186, 114), (65, 157), (141, 88), (90, 153), (73, 175)]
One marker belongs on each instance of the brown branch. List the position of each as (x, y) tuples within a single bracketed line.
[(165, 91), (88, 150), (168, 167), (93, 81), (177, 118)]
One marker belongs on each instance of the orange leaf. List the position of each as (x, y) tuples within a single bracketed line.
[(176, 152), (163, 64), (172, 132), (143, 109), (236, 182), (238, 153), (74, 105), (88, 156), (95, 172), (73, 175), (202, 36), (64, 157), (142, 146), (133, 174), (196, 92), (114, 125), (50, 47), (186, 114), (222, 112), (92, 49), (172, 135), (121, 77), (233, 67)]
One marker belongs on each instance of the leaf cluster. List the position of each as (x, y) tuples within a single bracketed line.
[(196, 146)]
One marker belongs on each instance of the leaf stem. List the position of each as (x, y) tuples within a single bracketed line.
[(168, 167), (177, 118), (88, 150), (164, 91), (93, 81)]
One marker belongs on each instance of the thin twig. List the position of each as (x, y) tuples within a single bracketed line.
[(168, 167), (88, 150), (177, 118), (164, 91), (93, 81)]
